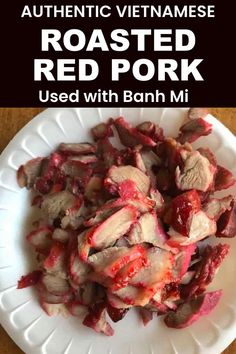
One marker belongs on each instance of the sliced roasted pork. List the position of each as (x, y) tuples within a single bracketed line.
[(196, 173), (189, 312), (117, 175)]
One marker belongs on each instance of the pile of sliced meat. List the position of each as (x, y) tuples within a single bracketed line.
[(123, 228)]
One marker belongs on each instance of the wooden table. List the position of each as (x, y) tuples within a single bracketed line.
[(13, 119)]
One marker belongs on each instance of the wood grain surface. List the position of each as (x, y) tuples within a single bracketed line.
[(13, 119)]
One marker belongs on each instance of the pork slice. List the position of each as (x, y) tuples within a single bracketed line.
[(116, 314), (41, 239), (110, 230), (189, 312), (108, 153), (215, 207), (152, 130), (223, 179), (149, 229), (30, 279), (201, 226), (109, 261), (101, 131), (150, 159), (195, 113), (127, 272), (197, 172), (60, 235), (146, 315), (182, 261), (27, 173), (116, 175), (55, 205), (156, 196), (96, 319), (78, 270), (45, 295), (55, 262), (77, 148), (92, 188), (194, 129), (55, 285), (130, 136), (77, 170), (206, 152), (226, 225), (74, 216), (182, 209), (205, 270), (134, 296), (158, 272)]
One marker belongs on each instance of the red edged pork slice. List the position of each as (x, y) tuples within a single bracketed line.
[(189, 312), (224, 178), (148, 229), (205, 270), (196, 173), (41, 239), (109, 231), (194, 129), (197, 112), (159, 271), (78, 171), (117, 175), (214, 208), (78, 270), (127, 272), (54, 309), (96, 319), (182, 261), (55, 285), (27, 173), (116, 314), (152, 130), (101, 131), (56, 259), (201, 226), (134, 296), (226, 225), (146, 315), (109, 261), (130, 136), (183, 207), (77, 148), (30, 279)]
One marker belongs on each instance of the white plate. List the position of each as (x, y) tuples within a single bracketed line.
[(20, 314)]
